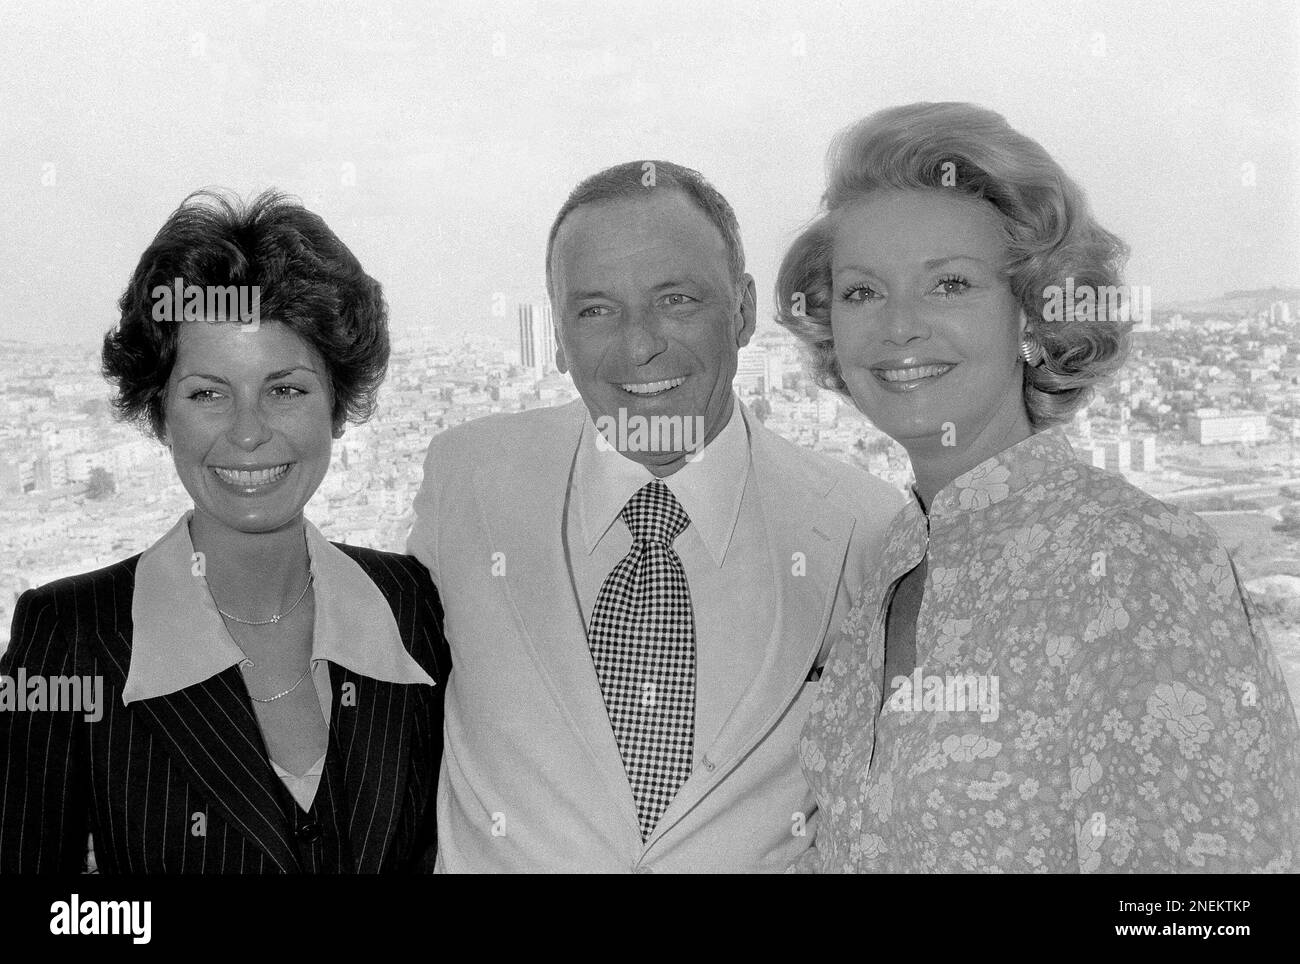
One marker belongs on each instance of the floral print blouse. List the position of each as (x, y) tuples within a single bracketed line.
[(1092, 692)]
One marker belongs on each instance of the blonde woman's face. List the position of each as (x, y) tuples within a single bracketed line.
[(925, 324)]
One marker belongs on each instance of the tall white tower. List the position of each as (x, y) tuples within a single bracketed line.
[(537, 338)]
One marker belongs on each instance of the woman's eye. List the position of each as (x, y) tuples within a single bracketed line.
[(860, 293), (287, 391), (204, 395), (949, 287)]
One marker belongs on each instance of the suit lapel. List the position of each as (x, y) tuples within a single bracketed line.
[(370, 736), (530, 533), (808, 538), (210, 731)]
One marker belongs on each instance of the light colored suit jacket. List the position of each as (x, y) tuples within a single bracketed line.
[(531, 776)]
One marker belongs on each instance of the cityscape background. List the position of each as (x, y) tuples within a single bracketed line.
[(1206, 415), (439, 138)]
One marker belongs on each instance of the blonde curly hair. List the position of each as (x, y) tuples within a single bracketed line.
[(1051, 236)]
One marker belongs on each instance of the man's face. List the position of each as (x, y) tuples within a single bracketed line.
[(648, 319)]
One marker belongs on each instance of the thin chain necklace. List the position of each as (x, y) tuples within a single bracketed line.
[(268, 622), (272, 699), (278, 616)]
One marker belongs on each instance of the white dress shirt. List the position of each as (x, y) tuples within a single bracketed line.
[(724, 552)]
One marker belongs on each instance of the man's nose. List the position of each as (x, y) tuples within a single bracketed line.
[(249, 428), (644, 335)]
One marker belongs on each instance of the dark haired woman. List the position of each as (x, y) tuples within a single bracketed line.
[(272, 701), (1050, 671)]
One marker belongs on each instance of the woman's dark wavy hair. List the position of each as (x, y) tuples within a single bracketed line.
[(308, 281), (1049, 230)]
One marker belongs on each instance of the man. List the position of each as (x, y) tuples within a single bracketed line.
[(640, 586)]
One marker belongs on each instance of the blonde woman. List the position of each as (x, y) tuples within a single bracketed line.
[(1051, 671)]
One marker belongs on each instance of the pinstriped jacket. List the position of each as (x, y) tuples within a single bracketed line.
[(182, 783)]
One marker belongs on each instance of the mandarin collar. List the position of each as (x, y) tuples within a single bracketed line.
[(998, 478)]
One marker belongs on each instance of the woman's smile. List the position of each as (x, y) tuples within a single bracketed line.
[(254, 481), (907, 375)]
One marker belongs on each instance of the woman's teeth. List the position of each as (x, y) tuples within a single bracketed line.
[(651, 388), (259, 477), (912, 374)]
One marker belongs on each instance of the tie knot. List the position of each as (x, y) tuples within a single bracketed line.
[(653, 514)]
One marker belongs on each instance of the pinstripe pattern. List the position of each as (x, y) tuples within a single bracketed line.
[(181, 783)]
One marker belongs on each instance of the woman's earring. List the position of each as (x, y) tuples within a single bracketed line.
[(1031, 350)]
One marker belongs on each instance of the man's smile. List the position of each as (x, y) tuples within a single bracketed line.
[(652, 388)]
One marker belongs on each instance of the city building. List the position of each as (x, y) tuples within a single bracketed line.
[(1209, 426), (1142, 454), (1094, 455), (536, 339), (758, 371)]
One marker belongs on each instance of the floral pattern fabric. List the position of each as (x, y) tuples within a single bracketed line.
[(1092, 692)]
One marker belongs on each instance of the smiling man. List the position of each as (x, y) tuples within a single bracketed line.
[(640, 586)]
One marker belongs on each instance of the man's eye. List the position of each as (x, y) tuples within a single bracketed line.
[(677, 298), (594, 311), (859, 293)]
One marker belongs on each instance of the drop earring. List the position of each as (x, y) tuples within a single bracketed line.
[(1031, 349)]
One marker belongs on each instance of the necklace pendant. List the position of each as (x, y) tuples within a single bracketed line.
[(275, 618)]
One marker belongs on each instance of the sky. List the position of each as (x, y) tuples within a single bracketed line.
[(438, 139)]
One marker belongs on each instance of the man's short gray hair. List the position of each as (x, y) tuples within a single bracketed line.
[(636, 179)]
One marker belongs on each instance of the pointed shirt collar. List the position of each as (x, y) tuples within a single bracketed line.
[(709, 487), (179, 638)]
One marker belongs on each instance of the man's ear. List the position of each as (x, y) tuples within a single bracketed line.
[(746, 312), (561, 363)]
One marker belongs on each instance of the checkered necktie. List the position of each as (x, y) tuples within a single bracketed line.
[(643, 643)]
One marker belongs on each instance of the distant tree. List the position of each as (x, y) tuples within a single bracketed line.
[(1290, 523), (879, 445), (101, 484), (761, 408)]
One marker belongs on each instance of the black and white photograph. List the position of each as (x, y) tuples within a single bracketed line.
[(521, 437)]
